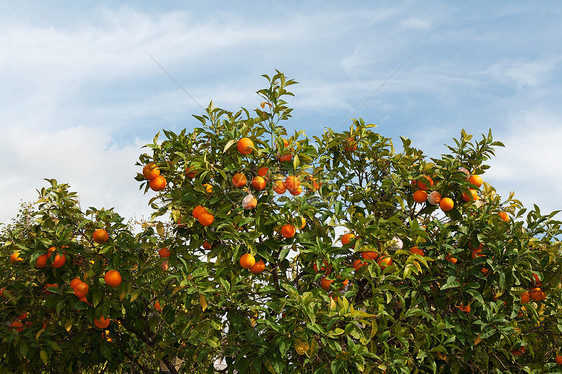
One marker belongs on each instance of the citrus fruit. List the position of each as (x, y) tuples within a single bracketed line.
[(249, 202), (472, 195), (247, 261), (425, 182), (525, 297), (15, 258), (208, 188), (258, 267), (417, 251), (369, 255), (245, 146), (475, 180), (434, 198), (81, 289), (59, 261), (504, 216), (190, 173), (239, 180), (74, 282), (420, 196), (164, 252), (100, 236), (279, 187), (41, 261), (197, 211), (158, 183), (288, 230), (346, 239), (262, 172), (292, 183), (206, 219), (358, 264), (112, 278), (384, 261), (446, 204), (150, 171), (258, 183), (325, 283), (102, 322)]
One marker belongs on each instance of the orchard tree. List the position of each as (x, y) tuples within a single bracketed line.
[(272, 252)]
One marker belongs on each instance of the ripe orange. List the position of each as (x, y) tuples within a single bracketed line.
[(286, 156), (346, 239), (450, 258), (525, 297), (206, 219), (536, 294), (425, 182), (16, 325), (50, 285), (358, 264), (384, 261), (249, 202), (41, 261), (112, 278), (247, 261), (150, 171), (477, 252), (472, 195), (369, 255), (420, 196), (292, 183), (417, 251), (239, 180), (245, 146), (326, 268), (206, 245), (164, 252), (476, 180), (518, 352), (15, 258), (81, 289), (325, 283), (197, 211), (74, 282), (102, 322), (262, 172), (434, 198), (158, 183), (258, 183), (288, 230), (100, 236), (279, 187), (258, 267), (558, 359), (446, 204), (537, 280), (350, 144), (464, 308), (59, 261), (157, 306), (296, 191), (504, 216), (190, 173)]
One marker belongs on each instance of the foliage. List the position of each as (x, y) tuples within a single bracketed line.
[(422, 313)]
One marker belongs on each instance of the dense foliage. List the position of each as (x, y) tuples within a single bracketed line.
[(470, 283)]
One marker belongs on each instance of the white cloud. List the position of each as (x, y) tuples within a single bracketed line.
[(524, 74), (416, 23)]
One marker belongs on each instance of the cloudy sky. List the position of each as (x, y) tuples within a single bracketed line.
[(79, 95)]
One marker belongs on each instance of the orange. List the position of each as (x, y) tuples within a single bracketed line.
[(258, 267), (536, 294), (504, 216), (262, 172), (518, 352), (451, 259), (346, 239), (249, 202), (446, 204), (558, 359), (326, 268), (425, 182), (74, 282), (420, 196), (100, 236), (208, 188), (434, 198), (59, 261), (206, 219), (247, 261), (525, 297), (15, 258), (190, 173), (325, 283), (471, 195), (475, 180), (164, 252), (157, 306), (239, 180), (197, 211), (286, 156), (112, 278), (369, 255), (279, 187), (245, 146), (16, 325), (464, 308), (41, 261), (358, 264), (81, 289), (288, 230), (351, 144), (417, 251), (206, 245), (258, 183), (101, 323), (385, 261), (150, 171), (50, 285), (537, 280), (296, 191), (158, 183), (292, 183), (477, 252)]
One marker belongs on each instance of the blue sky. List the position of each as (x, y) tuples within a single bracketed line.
[(79, 95)]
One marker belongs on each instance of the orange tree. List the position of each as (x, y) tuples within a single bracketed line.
[(289, 254)]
